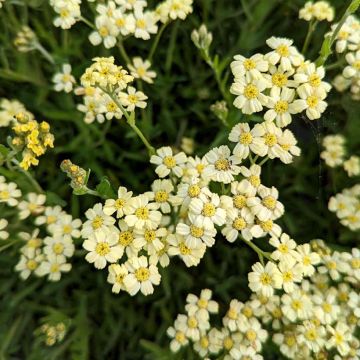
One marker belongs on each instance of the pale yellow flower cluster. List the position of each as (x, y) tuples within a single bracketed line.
[(320, 315)]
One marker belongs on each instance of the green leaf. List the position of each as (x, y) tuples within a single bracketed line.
[(104, 188)]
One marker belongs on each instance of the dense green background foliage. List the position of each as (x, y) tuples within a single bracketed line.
[(107, 326)]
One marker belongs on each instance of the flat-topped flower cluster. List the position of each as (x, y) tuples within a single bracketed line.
[(281, 83), (46, 249), (320, 315)]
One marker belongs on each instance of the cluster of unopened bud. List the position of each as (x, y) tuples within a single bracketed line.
[(53, 333), (25, 40), (202, 38), (75, 173), (32, 138)]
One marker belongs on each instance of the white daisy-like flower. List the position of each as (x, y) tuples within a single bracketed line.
[(106, 32), (53, 266), (312, 75), (280, 103), (252, 175), (177, 334), (238, 222), (29, 262), (196, 233), (207, 212), (230, 320), (352, 166), (271, 136), (50, 216), (145, 24), (280, 78), (120, 205), (116, 277), (245, 352), (3, 233), (168, 162), (149, 239), (262, 228), (97, 220), (253, 66), (103, 248), (124, 22), (247, 140), (249, 94), (139, 69), (285, 248), (291, 273), (267, 205), (222, 166), (311, 335), (162, 195), (202, 305), (141, 276), (64, 81), (312, 100), (193, 326), (241, 191), (254, 334), (340, 338), (58, 246), (9, 193), (132, 98), (143, 213), (283, 53), (264, 280), (190, 256), (33, 205), (126, 239), (307, 259), (296, 306), (66, 227), (131, 4), (287, 142), (353, 69)]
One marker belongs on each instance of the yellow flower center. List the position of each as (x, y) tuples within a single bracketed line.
[(327, 307), (339, 339), (67, 229), (104, 31), (34, 243), (239, 224), (266, 225), (111, 107), (269, 202), (239, 201), (200, 168), (54, 268), (202, 303), (265, 279), (283, 50), (194, 190), (102, 249), (312, 101), (290, 340), (119, 203), (246, 138), (250, 335), (126, 238), (285, 147), (169, 162), (355, 263), (296, 305), (247, 311), (119, 278), (287, 276), (343, 296), (50, 219), (196, 231), (64, 13), (66, 78), (331, 265), (142, 213), (192, 322), (254, 180), (149, 235), (251, 91), (4, 195), (343, 35), (140, 23), (279, 79), (184, 250), (161, 196), (208, 210), (133, 99), (276, 313), (249, 64), (222, 165), (314, 80), (356, 65), (270, 139), (180, 337), (283, 248), (58, 248), (120, 22), (142, 274), (97, 222), (281, 107), (31, 264), (232, 314), (228, 343), (311, 335)]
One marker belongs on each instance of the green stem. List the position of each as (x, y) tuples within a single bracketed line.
[(131, 121), (261, 253), (45, 53), (123, 52), (335, 65), (156, 41), (311, 29), (27, 174), (87, 22), (263, 161), (326, 51)]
